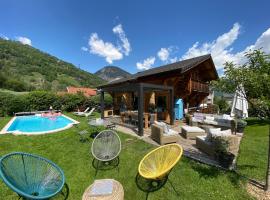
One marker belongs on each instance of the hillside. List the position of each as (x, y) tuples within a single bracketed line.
[(24, 68), (110, 73)]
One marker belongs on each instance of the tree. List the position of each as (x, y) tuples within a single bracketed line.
[(254, 75)]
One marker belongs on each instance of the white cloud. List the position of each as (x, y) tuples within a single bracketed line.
[(146, 64), (221, 51), (4, 37), (126, 45), (163, 54), (219, 48), (84, 48), (24, 40), (104, 49), (108, 50)]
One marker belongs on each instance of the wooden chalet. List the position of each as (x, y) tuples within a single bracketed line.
[(159, 87)]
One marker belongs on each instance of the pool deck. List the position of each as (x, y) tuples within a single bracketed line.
[(4, 130)]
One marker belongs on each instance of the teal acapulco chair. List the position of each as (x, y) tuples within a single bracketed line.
[(31, 176)]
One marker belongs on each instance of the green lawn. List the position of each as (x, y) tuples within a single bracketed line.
[(253, 154), (192, 180)]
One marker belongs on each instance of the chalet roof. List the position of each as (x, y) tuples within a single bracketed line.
[(183, 65)]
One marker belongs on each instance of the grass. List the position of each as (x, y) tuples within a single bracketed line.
[(253, 153), (192, 180)]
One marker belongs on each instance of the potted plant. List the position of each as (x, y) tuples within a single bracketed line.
[(240, 125), (222, 154), (188, 118)]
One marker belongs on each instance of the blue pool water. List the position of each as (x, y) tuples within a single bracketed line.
[(38, 123)]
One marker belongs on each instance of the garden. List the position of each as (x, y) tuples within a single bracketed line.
[(191, 180)]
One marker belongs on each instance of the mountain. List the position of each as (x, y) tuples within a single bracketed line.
[(110, 73), (24, 68)]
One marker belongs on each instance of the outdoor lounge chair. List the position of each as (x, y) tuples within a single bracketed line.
[(156, 166), (84, 114), (31, 176), (158, 135), (106, 147), (81, 113)]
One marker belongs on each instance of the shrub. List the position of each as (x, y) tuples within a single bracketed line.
[(94, 101), (71, 102), (41, 100), (10, 104)]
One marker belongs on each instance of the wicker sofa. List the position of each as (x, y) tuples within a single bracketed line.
[(222, 121), (158, 135), (206, 146)]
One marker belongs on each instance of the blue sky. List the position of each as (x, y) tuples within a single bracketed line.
[(138, 35)]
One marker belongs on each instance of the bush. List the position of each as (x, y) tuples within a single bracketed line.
[(71, 102), (94, 101), (10, 104), (41, 100), (241, 124)]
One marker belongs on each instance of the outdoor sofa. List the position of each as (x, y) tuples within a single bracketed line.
[(221, 121), (206, 145), (159, 135)]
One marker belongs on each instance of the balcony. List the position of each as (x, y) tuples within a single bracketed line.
[(197, 86)]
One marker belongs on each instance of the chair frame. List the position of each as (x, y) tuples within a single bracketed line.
[(165, 172), (21, 193), (107, 161)]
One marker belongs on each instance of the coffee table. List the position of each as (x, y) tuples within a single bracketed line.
[(117, 194)]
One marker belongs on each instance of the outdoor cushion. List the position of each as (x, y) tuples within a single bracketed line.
[(172, 132), (212, 130), (227, 132), (193, 129), (209, 118), (224, 133)]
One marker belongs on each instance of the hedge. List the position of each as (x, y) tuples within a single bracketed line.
[(42, 100)]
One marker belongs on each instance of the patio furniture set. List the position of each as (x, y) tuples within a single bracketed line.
[(131, 117), (35, 177), (203, 130)]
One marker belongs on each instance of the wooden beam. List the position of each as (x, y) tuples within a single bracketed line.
[(140, 109)]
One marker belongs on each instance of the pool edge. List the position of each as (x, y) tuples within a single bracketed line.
[(4, 130)]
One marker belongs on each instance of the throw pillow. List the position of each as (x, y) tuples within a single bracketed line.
[(213, 132)]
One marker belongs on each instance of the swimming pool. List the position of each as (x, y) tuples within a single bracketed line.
[(36, 124)]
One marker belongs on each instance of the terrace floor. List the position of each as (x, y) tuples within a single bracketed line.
[(189, 145)]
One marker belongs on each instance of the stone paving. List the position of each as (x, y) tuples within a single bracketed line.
[(189, 145)]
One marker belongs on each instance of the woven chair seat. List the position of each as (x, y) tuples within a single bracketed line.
[(31, 176), (106, 146), (159, 162)]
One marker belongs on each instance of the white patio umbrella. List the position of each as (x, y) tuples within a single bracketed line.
[(240, 104)]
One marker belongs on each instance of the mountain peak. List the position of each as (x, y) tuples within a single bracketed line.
[(111, 73)]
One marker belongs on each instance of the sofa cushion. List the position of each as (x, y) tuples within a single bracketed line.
[(209, 118), (193, 129), (211, 132)]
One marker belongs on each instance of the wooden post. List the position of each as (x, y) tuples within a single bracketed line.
[(140, 109), (172, 107), (102, 104)]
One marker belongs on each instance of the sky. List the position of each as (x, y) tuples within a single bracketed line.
[(138, 35)]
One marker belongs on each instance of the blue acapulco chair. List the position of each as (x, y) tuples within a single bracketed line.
[(31, 176)]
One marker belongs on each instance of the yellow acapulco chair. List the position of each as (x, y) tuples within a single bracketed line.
[(158, 163)]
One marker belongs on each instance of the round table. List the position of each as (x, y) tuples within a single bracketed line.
[(94, 123), (117, 193)]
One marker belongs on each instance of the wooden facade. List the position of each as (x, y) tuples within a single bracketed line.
[(188, 80)]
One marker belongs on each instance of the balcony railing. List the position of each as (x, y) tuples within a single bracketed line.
[(198, 86)]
